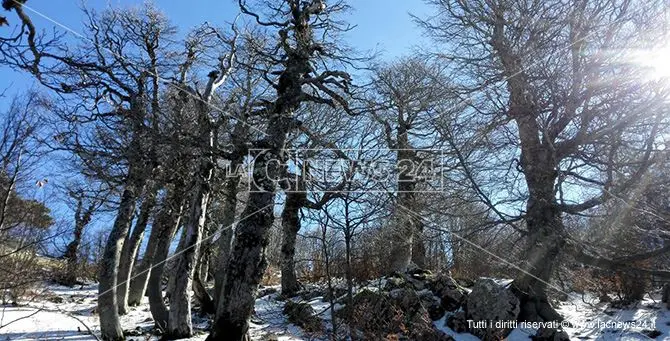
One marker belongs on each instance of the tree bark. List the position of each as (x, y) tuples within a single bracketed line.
[(110, 326), (181, 230), (201, 275), (162, 232), (129, 250), (227, 233), (418, 246), (207, 305), (138, 283), (245, 269), (530, 286), (179, 323), (247, 261), (539, 163), (544, 224), (290, 222), (82, 218), (406, 241), (348, 269)]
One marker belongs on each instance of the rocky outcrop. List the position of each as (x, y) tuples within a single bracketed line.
[(404, 306), (302, 315), (489, 302), (458, 322), (452, 296), (448, 292), (399, 313), (549, 334)]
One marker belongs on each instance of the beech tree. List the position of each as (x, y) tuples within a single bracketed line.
[(523, 119), (86, 200), (179, 323), (409, 94), (116, 86), (544, 72), (299, 80)]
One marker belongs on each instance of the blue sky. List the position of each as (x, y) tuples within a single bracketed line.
[(381, 25)]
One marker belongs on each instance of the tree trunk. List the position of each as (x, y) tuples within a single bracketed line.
[(130, 248), (290, 222), (348, 270), (247, 261), (418, 246), (544, 223), (543, 249), (406, 244), (138, 283), (81, 219), (207, 305), (202, 270), (200, 292), (245, 269), (171, 278), (227, 232), (179, 323), (110, 325), (531, 286), (329, 280), (162, 232), (401, 246), (543, 218), (539, 164)]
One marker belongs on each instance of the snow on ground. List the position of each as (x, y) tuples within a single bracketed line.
[(62, 313), (596, 321), (269, 320), (586, 319), (58, 313)]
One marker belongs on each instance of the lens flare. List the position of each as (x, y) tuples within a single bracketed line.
[(656, 62)]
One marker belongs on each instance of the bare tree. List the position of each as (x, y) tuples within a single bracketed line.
[(309, 185), (119, 86), (293, 58), (132, 242), (24, 222), (540, 69), (87, 201), (179, 323), (408, 94)]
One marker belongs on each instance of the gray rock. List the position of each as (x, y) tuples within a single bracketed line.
[(399, 314), (549, 334), (302, 315), (394, 282), (452, 295), (458, 322), (490, 301), (432, 304), (335, 294)]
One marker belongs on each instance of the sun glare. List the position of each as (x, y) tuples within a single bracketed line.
[(656, 62)]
